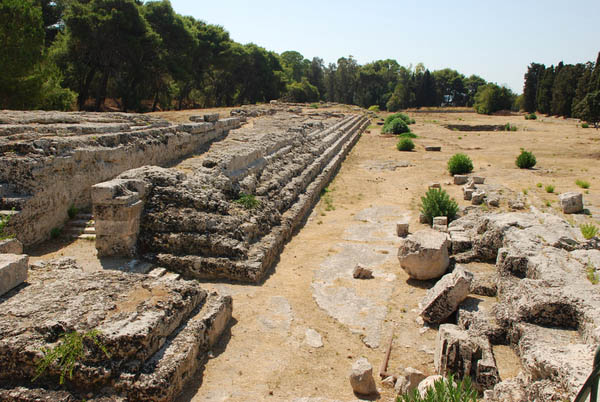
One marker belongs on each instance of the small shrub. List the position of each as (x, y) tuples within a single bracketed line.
[(582, 183), (395, 126), (539, 185), (591, 274), (460, 164), (510, 127), (525, 191), (374, 108), (55, 233), (444, 390), (68, 352), (588, 230), (4, 219), (407, 135), (437, 202), (549, 188), (548, 203), (405, 144), (72, 211), (248, 201), (525, 160), (314, 105), (585, 125), (531, 116)]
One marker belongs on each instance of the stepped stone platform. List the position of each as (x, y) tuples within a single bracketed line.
[(156, 328), (547, 309), (190, 219), (50, 160)]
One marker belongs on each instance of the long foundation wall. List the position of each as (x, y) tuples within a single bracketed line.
[(198, 224), (50, 160)]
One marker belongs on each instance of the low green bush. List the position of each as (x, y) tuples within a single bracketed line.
[(405, 144), (55, 233), (588, 230), (444, 390), (374, 108), (510, 127), (72, 211), (531, 116), (402, 116), (395, 126), (582, 183), (460, 164), (525, 160), (549, 188), (437, 202), (585, 125)]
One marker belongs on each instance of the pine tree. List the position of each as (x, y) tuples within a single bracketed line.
[(544, 91), (530, 88)]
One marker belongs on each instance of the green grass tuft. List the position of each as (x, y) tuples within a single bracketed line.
[(549, 188), (248, 201), (588, 230), (582, 183)]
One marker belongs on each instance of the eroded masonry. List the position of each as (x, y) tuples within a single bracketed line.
[(213, 198)]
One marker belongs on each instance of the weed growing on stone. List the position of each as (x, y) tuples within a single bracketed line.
[(549, 188), (72, 211), (582, 183), (248, 201), (460, 164), (443, 390), (55, 233), (4, 219), (437, 202), (591, 274), (525, 160), (588, 230), (68, 352)]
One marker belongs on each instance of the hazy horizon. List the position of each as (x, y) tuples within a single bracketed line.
[(496, 43)]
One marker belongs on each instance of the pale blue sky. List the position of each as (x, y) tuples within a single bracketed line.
[(496, 40)]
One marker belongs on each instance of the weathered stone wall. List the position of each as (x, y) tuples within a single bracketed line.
[(50, 160), (192, 223)]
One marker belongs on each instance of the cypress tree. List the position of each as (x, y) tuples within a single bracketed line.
[(544, 92), (530, 88)]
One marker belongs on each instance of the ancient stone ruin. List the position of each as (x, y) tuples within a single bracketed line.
[(193, 219)]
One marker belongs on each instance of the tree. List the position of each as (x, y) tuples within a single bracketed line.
[(294, 65), (450, 87), (345, 80), (589, 108), (471, 85), (544, 91), (491, 98), (530, 87), (316, 76), (22, 43), (426, 93), (563, 90)]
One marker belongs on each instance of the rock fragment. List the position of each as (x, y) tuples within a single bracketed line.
[(571, 202), (11, 246), (402, 229), (361, 377), (428, 383), (13, 271), (424, 254), (460, 179), (361, 272), (313, 339), (443, 299)]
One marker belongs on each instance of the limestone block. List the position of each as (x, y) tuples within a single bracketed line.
[(467, 194), (361, 377), (440, 220), (434, 185), (492, 201), (11, 246), (211, 117), (460, 179), (478, 179), (361, 272), (477, 197), (443, 299), (13, 271), (571, 202), (470, 184), (409, 380), (433, 148), (196, 128), (422, 218), (428, 383), (460, 241), (402, 229), (424, 254)]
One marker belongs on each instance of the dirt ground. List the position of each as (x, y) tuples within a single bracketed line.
[(265, 355)]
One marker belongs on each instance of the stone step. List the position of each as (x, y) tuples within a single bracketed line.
[(81, 223), (9, 212), (16, 202), (83, 236), (84, 216), (164, 375)]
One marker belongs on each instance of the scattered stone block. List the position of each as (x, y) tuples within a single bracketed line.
[(516, 204), (464, 355), (467, 194), (13, 271), (477, 197), (440, 220), (402, 229), (571, 202), (11, 246), (413, 379), (361, 272), (492, 201), (361, 377), (424, 254), (478, 180), (313, 339), (428, 383), (444, 298), (433, 148), (422, 218), (470, 184), (460, 241), (434, 185), (211, 117), (389, 382), (460, 179)]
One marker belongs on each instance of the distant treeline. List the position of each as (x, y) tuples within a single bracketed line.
[(565, 90), (63, 54)]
